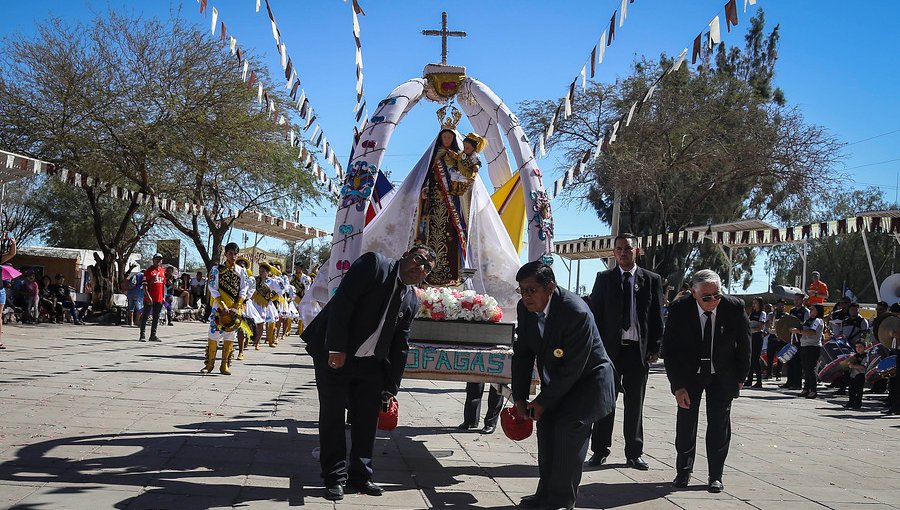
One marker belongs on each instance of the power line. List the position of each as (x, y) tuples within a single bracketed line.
[(874, 137), (873, 164)]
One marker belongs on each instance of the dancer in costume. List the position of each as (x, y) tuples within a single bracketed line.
[(264, 302), (227, 291), (300, 282), (251, 316)]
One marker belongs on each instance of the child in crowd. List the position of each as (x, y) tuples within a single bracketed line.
[(857, 365)]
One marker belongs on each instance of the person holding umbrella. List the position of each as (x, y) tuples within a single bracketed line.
[(8, 274)]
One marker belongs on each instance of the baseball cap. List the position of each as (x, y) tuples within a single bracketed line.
[(158, 256)]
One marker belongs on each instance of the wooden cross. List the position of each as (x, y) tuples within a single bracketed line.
[(444, 33)]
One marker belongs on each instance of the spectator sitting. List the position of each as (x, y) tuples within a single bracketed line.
[(184, 284), (47, 300), (198, 288), (63, 295)]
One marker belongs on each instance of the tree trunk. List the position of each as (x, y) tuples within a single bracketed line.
[(103, 281)]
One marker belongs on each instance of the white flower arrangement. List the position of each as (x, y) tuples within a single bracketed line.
[(445, 304)]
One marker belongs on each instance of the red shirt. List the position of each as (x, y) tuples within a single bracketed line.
[(155, 280)]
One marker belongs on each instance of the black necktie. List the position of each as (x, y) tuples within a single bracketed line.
[(706, 346), (383, 347), (626, 301)]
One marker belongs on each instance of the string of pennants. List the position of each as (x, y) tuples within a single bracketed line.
[(34, 166), (360, 91), (301, 103), (610, 134), (888, 224)]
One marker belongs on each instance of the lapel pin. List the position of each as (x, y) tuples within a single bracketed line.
[(557, 353)]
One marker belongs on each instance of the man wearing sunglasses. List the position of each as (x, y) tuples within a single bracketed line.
[(556, 328), (358, 344), (707, 346)]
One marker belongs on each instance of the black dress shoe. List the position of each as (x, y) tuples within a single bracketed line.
[(533, 501), (597, 459), (368, 488), (681, 480), (488, 429), (715, 486), (638, 463), (466, 426), (334, 492)]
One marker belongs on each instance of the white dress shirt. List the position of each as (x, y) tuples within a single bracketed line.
[(367, 349)]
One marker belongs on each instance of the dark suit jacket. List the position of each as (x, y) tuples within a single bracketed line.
[(606, 303), (580, 372), (355, 310), (731, 344)]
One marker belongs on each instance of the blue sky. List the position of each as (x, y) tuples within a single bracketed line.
[(836, 63)]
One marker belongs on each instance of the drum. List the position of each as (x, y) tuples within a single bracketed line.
[(783, 327), (787, 353), (886, 329), (832, 351), (887, 367), (835, 369), (873, 356)]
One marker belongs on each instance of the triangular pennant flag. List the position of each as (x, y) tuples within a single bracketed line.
[(612, 29), (624, 10), (202, 6), (282, 49), (357, 9), (680, 60), (232, 46), (715, 37), (593, 61), (541, 150), (630, 114), (257, 5), (696, 52), (602, 49), (244, 71), (584, 78), (731, 16), (215, 17)]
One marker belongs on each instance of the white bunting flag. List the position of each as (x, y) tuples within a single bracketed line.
[(624, 12), (598, 148), (680, 60), (541, 150), (751, 2), (568, 106), (244, 72), (715, 36), (257, 5), (615, 132), (584, 77), (232, 45), (302, 97), (283, 50), (602, 48), (259, 94), (291, 79), (292, 138), (315, 132), (355, 24), (275, 34), (215, 17), (630, 114), (649, 93)]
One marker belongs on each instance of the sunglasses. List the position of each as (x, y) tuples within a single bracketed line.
[(711, 297), (422, 261), (528, 291)]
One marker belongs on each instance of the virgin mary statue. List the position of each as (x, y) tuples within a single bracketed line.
[(444, 204)]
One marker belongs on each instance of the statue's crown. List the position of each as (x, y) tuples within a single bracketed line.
[(449, 118)]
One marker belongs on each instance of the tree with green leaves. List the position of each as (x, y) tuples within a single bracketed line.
[(157, 107), (714, 144)]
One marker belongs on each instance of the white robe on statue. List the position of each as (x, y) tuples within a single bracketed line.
[(490, 251)]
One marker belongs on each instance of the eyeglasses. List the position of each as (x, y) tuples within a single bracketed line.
[(711, 297), (527, 291), (422, 261)]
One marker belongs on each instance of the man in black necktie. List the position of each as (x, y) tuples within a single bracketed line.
[(359, 343), (627, 306), (707, 346), (556, 329)]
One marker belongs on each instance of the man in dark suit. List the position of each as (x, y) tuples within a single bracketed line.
[(359, 343), (556, 328), (707, 345), (474, 394), (627, 306)]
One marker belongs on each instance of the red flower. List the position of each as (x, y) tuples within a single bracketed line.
[(497, 315), (438, 316), (467, 305), (478, 299)]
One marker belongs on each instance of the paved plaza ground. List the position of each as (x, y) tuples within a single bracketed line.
[(92, 419)]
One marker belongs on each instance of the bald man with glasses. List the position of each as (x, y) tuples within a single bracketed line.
[(707, 349)]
